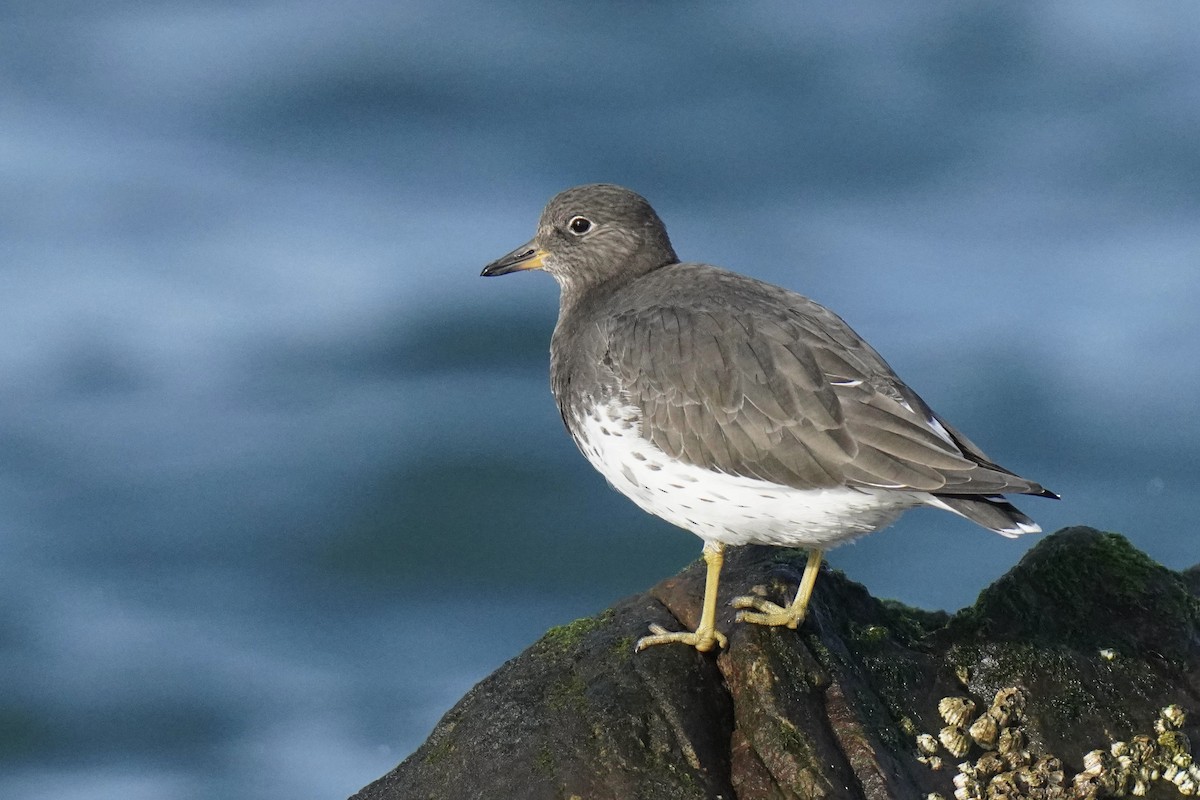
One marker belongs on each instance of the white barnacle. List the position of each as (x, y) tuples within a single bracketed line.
[(985, 732), (955, 740), (956, 710), (1184, 783), (1172, 717), (966, 787), (1095, 762)]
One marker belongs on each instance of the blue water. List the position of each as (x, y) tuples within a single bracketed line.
[(280, 475)]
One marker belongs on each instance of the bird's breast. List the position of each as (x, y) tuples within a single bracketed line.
[(717, 506)]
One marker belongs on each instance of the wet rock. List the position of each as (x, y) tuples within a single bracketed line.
[(1097, 637)]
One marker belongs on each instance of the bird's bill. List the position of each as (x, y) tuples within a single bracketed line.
[(527, 256)]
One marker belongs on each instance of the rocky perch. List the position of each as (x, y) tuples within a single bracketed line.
[(1076, 675)]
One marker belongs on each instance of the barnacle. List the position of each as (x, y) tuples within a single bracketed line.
[(1007, 770), (1005, 784), (1096, 761), (1017, 759), (1050, 767), (1011, 740), (1087, 785), (1170, 718), (1185, 783), (989, 764), (1142, 748), (966, 787), (927, 747), (955, 740), (926, 744), (1007, 706), (1176, 747), (956, 710), (985, 732)]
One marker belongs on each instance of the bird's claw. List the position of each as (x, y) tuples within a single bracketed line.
[(702, 640), (766, 613)]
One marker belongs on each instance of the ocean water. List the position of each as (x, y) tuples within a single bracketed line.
[(280, 475)]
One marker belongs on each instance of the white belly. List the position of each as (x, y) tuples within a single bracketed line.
[(726, 508)]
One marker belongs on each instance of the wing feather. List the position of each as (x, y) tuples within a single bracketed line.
[(774, 386)]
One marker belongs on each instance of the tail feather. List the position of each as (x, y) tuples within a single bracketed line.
[(991, 511)]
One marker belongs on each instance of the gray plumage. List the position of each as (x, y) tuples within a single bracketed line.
[(737, 376)]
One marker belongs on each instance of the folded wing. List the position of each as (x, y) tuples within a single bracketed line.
[(787, 392)]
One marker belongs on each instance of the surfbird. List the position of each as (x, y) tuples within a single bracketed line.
[(735, 409)]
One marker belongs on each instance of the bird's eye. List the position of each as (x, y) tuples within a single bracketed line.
[(579, 225)]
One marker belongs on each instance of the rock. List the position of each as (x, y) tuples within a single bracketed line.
[(1081, 644)]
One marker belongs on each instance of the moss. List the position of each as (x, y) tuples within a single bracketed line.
[(1076, 577), (789, 555), (868, 636), (793, 741), (911, 624), (826, 657), (568, 694), (787, 661), (683, 778), (543, 762), (438, 750), (562, 638), (806, 773), (622, 648), (896, 681)]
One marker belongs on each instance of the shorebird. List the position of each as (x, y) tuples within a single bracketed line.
[(735, 409)]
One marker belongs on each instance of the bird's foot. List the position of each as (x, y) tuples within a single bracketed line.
[(767, 613), (702, 640)]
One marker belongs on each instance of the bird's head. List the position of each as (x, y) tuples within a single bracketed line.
[(589, 234)]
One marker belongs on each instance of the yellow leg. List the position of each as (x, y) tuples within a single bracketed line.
[(767, 613), (706, 633)]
